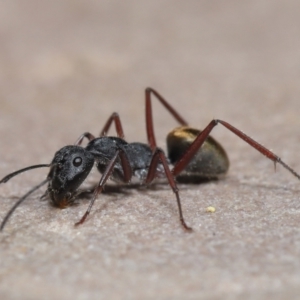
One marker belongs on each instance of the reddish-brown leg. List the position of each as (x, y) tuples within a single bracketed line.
[(159, 156), (194, 147), (87, 135), (119, 129), (113, 118), (149, 117), (127, 176)]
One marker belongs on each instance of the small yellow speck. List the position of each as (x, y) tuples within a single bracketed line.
[(210, 209)]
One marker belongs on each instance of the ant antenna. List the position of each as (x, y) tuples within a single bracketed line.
[(9, 176), (19, 202)]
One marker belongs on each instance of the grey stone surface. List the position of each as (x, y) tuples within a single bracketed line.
[(67, 65)]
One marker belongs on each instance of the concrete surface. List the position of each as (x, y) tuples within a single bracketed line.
[(67, 65)]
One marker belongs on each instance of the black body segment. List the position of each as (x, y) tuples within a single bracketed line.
[(70, 167), (209, 162), (104, 148)]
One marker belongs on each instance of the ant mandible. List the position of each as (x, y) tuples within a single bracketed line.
[(192, 153)]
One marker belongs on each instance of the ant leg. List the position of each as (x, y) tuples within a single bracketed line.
[(127, 176), (157, 157), (149, 118), (113, 118), (87, 135), (194, 147)]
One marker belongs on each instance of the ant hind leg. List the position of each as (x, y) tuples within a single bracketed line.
[(198, 142)]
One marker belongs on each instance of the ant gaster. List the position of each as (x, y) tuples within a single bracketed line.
[(192, 154)]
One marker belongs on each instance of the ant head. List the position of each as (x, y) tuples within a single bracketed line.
[(70, 167)]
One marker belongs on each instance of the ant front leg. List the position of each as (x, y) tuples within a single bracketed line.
[(120, 153), (119, 129), (200, 139), (157, 157), (149, 117), (87, 135), (113, 118)]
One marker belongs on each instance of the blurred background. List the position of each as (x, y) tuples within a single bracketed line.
[(66, 65), (69, 64)]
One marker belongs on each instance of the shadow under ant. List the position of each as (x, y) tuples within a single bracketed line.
[(126, 190)]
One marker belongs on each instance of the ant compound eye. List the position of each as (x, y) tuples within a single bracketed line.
[(77, 161)]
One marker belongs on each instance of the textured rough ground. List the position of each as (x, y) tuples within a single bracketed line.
[(67, 65)]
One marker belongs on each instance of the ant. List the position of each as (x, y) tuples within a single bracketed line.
[(192, 153)]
